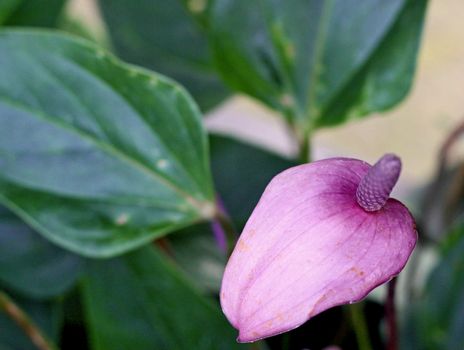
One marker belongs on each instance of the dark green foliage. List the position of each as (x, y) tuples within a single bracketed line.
[(436, 320), (140, 301), (31, 13), (164, 36), (47, 315), (30, 264)]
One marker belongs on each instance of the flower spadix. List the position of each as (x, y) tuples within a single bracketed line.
[(322, 234)]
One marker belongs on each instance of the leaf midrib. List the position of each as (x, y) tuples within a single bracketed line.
[(140, 202), (109, 149), (314, 83), (134, 110)]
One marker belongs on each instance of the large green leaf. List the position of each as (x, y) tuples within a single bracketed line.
[(43, 13), (98, 156), (139, 301), (437, 318), (164, 36), (319, 62), (30, 264), (46, 315)]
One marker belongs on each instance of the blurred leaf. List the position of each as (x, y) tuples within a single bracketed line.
[(443, 202), (31, 265), (139, 301), (33, 13), (46, 315), (165, 36), (241, 172), (6, 8), (437, 319), (195, 250), (319, 62), (98, 156)]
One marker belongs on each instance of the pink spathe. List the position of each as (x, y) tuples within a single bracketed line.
[(309, 246)]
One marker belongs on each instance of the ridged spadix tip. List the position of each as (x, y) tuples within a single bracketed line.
[(375, 188)]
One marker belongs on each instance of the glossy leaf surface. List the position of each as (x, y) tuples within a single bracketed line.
[(98, 156), (166, 37), (320, 62), (139, 301)]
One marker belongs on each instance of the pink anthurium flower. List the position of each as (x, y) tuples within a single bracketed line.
[(323, 234)]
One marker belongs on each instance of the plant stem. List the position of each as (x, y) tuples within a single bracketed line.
[(285, 341), (304, 135), (25, 323), (360, 326), (305, 151), (390, 314), (457, 132)]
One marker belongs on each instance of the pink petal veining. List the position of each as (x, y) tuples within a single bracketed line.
[(308, 246)]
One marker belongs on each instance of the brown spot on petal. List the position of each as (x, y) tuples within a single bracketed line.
[(242, 246), (357, 271)]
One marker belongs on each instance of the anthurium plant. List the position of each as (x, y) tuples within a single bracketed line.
[(124, 224)]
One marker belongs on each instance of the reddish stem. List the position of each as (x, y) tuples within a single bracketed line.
[(390, 314), (25, 323), (448, 144)]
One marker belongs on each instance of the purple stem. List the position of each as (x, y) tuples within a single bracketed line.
[(222, 227), (390, 314), (219, 235), (375, 188)]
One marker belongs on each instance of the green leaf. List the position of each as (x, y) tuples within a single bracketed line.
[(437, 318), (150, 306), (46, 315), (98, 156), (31, 265), (166, 37), (318, 62), (43, 13)]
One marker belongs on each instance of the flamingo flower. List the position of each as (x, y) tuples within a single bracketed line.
[(323, 234)]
